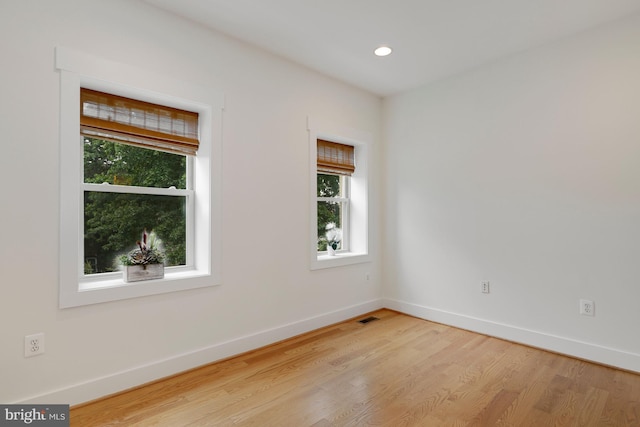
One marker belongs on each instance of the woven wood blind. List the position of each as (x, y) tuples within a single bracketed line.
[(335, 158), (129, 121)]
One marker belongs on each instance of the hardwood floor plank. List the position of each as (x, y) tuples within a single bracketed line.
[(395, 371), (589, 413), (490, 414)]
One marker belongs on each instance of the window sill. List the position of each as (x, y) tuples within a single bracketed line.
[(339, 259), (112, 287)]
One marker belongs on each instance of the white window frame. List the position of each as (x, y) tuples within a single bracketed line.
[(357, 224), (204, 259)]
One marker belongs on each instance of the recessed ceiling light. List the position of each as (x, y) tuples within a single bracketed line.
[(383, 51)]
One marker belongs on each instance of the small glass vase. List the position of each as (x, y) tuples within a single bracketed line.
[(331, 251)]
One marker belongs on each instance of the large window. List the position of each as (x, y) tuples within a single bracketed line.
[(339, 165), (134, 159), (135, 178)]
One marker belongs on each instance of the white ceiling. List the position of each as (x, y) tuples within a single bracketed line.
[(431, 38)]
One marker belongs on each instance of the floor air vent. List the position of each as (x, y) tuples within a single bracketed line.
[(368, 319)]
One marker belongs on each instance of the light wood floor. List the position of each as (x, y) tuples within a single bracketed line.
[(396, 371)]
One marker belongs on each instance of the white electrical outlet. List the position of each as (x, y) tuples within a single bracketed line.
[(587, 307), (485, 287), (33, 345)]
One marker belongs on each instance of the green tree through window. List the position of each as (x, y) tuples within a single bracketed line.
[(328, 211), (113, 221)]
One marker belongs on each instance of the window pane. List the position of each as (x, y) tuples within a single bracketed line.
[(122, 164), (329, 185), (328, 212), (113, 222)]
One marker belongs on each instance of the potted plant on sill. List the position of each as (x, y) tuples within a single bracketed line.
[(334, 237), (146, 261)]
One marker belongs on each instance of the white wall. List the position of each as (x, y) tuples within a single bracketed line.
[(524, 172), (268, 292)]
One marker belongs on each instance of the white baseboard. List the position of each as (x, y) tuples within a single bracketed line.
[(103, 386), (570, 347)]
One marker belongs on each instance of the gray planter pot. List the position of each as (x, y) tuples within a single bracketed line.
[(136, 273)]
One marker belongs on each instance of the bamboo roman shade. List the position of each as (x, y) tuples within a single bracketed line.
[(335, 158), (129, 121)]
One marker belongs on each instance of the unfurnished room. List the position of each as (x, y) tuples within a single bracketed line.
[(320, 213)]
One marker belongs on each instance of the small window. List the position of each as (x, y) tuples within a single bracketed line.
[(335, 165), (333, 211), (339, 203)]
